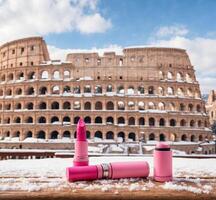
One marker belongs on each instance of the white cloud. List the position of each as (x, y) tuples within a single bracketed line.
[(23, 18), (175, 30), (202, 53)]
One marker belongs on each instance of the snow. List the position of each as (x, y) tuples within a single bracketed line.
[(39, 174)]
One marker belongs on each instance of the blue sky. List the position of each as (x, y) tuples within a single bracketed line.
[(101, 25), (134, 22)]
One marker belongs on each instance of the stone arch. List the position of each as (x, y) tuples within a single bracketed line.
[(184, 137), (110, 105), (76, 119), (87, 120), (66, 134), (110, 135), (42, 105), (121, 105), (183, 122), (43, 90), (66, 105), (151, 121), (173, 137), (29, 120), (98, 134), (54, 120), (66, 120), (132, 136), (54, 135), (98, 89), (18, 91), (55, 105), (121, 135), (44, 75), (120, 89), (141, 121), (109, 88), (31, 75), (172, 122), (98, 105), (193, 138), (141, 89), (152, 136), (41, 135), (131, 121), (161, 106), (109, 120), (56, 75), (87, 105), (42, 120), (30, 106), (98, 120), (87, 89), (162, 122), (121, 120), (151, 90), (141, 105), (162, 137), (56, 89)]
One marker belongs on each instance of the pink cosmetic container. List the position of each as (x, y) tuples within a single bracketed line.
[(81, 145), (162, 162), (138, 169)]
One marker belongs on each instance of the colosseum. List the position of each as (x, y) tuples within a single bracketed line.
[(211, 106), (144, 94)]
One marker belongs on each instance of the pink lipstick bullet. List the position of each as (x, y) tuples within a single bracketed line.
[(137, 169), (81, 145)]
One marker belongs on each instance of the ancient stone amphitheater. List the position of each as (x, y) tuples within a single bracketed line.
[(147, 94)]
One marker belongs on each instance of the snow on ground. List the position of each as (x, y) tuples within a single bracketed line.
[(35, 175)]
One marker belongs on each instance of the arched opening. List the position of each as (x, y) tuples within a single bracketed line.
[(141, 105), (18, 106), (192, 138), (200, 138), (150, 90), (67, 105), (87, 89), (98, 105), (98, 120), (18, 91), (29, 120), (162, 137), (110, 135), (109, 120), (29, 134), (98, 89), (151, 106), (43, 90), (120, 89), (179, 77), (121, 135), (66, 89), (42, 106), (199, 123), (42, 120), (98, 134), (152, 136), (88, 134), (184, 137), (121, 120), (66, 134), (141, 90), (66, 74), (66, 120), (10, 77), (41, 135), (161, 106), (17, 120), (131, 121), (8, 92), (162, 122), (190, 107), (20, 76), (172, 122), (30, 91), (192, 123), (55, 89), (132, 136), (44, 75), (87, 106), (56, 75), (76, 90), (183, 122), (110, 105), (87, 120), (31, 75), (30, 106), (151, 121), (130, 90), (198, 108), (55, 105), (55, 120), (141, 121), (169, 75), (77, 105), (121, 105), (182, 107), (54, 135), (161, 91), (109, 88), (173, 137), (76, 119)]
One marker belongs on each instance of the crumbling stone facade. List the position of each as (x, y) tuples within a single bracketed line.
[(145, 93)]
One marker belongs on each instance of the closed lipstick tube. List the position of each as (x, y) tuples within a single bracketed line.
[(138, 169), (162, 162), (81, 146)]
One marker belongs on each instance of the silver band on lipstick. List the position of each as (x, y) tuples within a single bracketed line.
[(105, 167)]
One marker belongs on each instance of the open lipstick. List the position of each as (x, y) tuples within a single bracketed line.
[(137, 169), (81, 145)]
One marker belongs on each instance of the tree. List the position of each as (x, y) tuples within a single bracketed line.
[(213, 127)]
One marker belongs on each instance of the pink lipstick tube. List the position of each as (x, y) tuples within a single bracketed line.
[(138, 169), (81, 146), (162, 162)]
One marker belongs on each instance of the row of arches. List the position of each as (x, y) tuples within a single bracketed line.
[(98, 89), (131, 121), (109, 135), (99, 105)]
